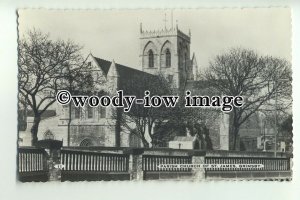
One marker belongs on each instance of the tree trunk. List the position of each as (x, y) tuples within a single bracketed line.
[(34, 130), (145, 142), (235, 132), (69, 124), (208, 141), (118, 128), (150, 129)]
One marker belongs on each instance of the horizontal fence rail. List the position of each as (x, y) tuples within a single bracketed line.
[(94, 161), (31, 160), (270, 164), (151, 163)]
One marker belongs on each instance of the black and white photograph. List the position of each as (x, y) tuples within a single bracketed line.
[(154, 95)]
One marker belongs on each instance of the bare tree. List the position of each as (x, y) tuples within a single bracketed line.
[(44, 67), (258, 79), (141, 120)]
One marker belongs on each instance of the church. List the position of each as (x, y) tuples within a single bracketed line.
[(165, 52)]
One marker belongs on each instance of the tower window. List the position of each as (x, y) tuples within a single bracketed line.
[(151, 58), (168, 58)]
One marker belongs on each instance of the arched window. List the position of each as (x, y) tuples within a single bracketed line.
[(168, 58), (170, 78), (151, 59), (86, 143), (77, 112), (90, 112)]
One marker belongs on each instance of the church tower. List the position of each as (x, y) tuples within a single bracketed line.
[(167, 52)]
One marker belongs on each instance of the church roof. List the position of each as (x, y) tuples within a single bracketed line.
[(128, 76), (104, 64), (122, 69)]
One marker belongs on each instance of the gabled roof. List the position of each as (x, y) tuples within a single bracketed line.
[(127, 77), (104, 64), (122, 69)]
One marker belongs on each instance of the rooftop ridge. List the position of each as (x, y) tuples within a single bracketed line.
[(121, 66), (117, 64)]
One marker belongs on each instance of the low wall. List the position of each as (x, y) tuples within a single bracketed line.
[(110, 163)]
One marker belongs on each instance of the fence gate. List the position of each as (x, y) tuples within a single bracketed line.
[(32, 164)]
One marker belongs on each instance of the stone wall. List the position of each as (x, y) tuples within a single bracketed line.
[(49, 125), (215, 132)]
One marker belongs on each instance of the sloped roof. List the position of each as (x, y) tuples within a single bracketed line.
[(128, 77), (104, 64), (122, 69)]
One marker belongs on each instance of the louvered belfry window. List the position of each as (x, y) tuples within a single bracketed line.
[(168, 58), (151, 58)]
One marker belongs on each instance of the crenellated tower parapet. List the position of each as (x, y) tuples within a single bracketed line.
[(167, 32)]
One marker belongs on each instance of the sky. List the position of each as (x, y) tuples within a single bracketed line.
[(114, 34)]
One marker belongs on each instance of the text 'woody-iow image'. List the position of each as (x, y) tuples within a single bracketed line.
[(137, 95)]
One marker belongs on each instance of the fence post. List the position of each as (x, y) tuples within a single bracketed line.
[(198, 173), (136, 164)]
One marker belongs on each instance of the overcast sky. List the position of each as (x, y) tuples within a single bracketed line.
[(114, 34)]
